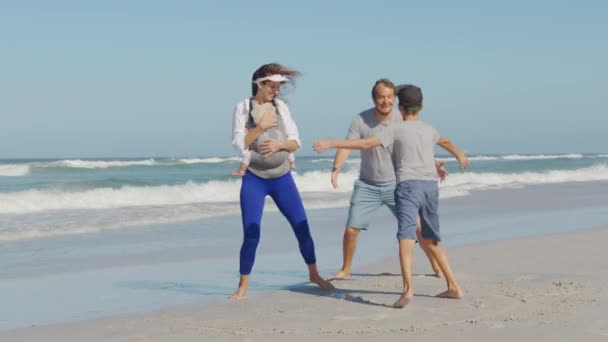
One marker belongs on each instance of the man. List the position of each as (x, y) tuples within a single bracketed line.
[(376, 184)]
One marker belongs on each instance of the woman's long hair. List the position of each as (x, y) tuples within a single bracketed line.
[(272, 69)]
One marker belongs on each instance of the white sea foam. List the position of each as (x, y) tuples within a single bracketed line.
[(99, 164), (32, 201), (14, 170), (42, 225), (320, 181), (21, 170), (330, 160), (211, 160), (314, 183), (459, 184), (477, 158), (517, 157), (43, 213), (103, 164), (542, 156)]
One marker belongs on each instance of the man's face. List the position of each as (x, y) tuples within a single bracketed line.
[(384, 99)]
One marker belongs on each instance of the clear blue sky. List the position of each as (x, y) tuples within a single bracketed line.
[(160, 78)]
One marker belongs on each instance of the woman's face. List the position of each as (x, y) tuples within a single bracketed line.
[(267, 90)]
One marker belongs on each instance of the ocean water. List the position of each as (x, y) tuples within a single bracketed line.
[(82, 239), (43, 198)]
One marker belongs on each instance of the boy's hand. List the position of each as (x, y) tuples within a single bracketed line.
[(441, 171), (321, 145), (463, 160)]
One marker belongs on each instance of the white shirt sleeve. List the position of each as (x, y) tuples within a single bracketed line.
[(289, 126), (239, 130)]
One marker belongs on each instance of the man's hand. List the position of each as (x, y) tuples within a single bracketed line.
[(463, 160), (321, 145), (441, 171), (270, 146), (334, 177)]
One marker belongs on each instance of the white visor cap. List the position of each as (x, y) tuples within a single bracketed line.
[(275, 78)]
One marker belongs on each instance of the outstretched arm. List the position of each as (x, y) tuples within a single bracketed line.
[(341, 157), (460, 156), (353, 144)]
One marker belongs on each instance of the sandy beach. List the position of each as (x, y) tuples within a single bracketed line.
[(175, 172), (554, 287)]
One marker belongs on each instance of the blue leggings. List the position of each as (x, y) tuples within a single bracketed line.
[(285, 194)]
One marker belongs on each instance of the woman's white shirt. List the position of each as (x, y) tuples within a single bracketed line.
[(239, 122)]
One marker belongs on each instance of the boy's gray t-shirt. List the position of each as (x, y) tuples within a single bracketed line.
[(376, 164), (412, 145)]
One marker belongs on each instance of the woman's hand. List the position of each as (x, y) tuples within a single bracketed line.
[(270, 146)]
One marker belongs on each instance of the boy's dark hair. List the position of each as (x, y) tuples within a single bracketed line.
[(410, 98)]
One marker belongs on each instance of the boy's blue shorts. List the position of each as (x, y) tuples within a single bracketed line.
[(415, 198)]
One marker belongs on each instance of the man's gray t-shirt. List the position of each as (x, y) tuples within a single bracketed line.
[(376, 164), (412, 145)]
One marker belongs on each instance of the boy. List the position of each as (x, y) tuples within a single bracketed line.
[(411, 143)]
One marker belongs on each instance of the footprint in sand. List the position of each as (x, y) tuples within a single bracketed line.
[(344, 318), (378, 317), (358, 299)]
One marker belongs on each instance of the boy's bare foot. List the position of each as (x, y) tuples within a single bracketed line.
[(238, 173), (451, 293), (339, 276), (239, 294), (324, 284), (403, 301)]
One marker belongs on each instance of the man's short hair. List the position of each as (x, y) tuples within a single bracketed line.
[(385, 82)]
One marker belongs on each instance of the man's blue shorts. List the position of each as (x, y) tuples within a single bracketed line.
[(415, 198), (365, 200)]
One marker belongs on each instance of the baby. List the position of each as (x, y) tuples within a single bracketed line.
[(257, 112)]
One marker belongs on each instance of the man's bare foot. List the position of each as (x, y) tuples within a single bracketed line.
[(324, 284), (451, 293), (339, 276), (238, 173), (403, 301), (239, 294)]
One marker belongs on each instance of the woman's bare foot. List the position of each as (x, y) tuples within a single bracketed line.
[(324, 284), (339, 276), (438, 274), (403, 301), (452, 293), (240, 293)]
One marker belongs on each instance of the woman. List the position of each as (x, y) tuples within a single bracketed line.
[(269, 142)]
